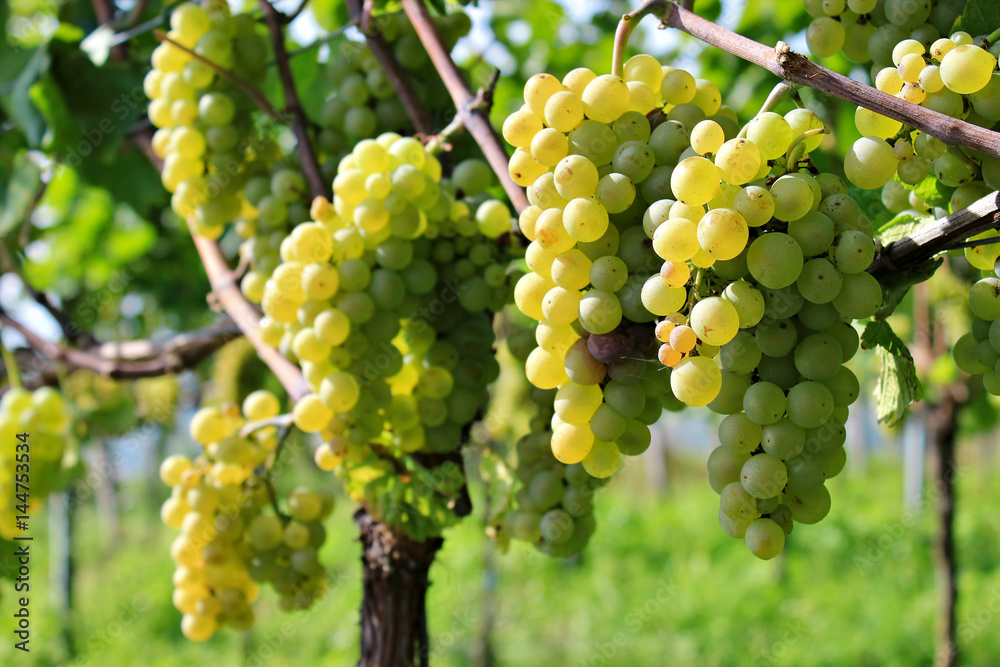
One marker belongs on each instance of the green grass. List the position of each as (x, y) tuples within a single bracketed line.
[(660, 584)]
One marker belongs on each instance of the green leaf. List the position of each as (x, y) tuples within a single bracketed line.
[(903, 224), (48, 99), (16, 98), (933, 191), (20, 192), (981, 17), (897, 284), (330, 14), (897, 385)]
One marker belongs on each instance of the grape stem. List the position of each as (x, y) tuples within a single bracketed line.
[(626, 25), (10, 363), (254, 93), (778, 94), (268, 483), (993, 37), (281, 421), (370, 27), (227, 294), (784, 63), (131, 359), (943, 234), (476, 121), (317, 184), (483, 100)]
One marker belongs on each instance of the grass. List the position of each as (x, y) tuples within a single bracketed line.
[(660, 585)]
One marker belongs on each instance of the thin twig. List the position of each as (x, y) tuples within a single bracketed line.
[(288, 18), (32, 205), (317, 184), (135, 14), (104, 10), (943, 234), (254, 93), (483, 100), (227, 293), (784, 63), (475, 121), (132, 359), (393, 70), (281, 421), (319, 42)]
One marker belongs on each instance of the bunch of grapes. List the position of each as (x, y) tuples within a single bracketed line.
[(866, 30), (230, 540), (978, 351), (554, 506), (385, 300), (754, 266), (595, 166), (364, 103), (204, 123), (33, 428)]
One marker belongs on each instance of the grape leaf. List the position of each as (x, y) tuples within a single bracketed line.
[(15, 99), (981, 17), (24, 183), (933, 191), (902, 224), (898, 283), (897, 385)]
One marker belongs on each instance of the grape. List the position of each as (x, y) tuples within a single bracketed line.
[(605, 98), (755, 204), (602, 460), (809, 404), (738, 161), (771, 134), (860, 296), (984, 299), (615, 192), (634, 159), (775, 260), (870, 163), (809, 506), (696, 381), (825, 37), (600, 312), (714, 320), (585, 220), (765, 538), (695, 181), (764, 403), (722, 233), (967, 69), (747, 301)]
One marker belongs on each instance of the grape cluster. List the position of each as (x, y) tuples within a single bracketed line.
[(758, 268), (42, 420), (204, 124), (867, 30), (952, 76), (230, 538), (978, 351), (594, 165), (364, 103), (554, 506), (385, 300)]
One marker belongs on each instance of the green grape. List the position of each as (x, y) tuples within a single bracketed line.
[(605, 98), (668, 140), (696, 381), (809, 506), (695, 181), (771, 134), (747, 300), (984, 299), (738, 161), (676, 240), (763, 476), (792, 198), (600, 312), (783, 439), (967, 69), (825, 37), (741, 354), (813, 232), (659, 299), (729, 400), (852, 251), (596, 142), (776, 338), (764, 403), (615, 192), (724, 466), (775, 260), (755, 204), (608, 273), (819, 282), (765, 538), (634, 159), (740, 434), (809, 404), (870, 163), (860, 296), (602, 460), (713, 319), (722, 233), (818, 357)]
